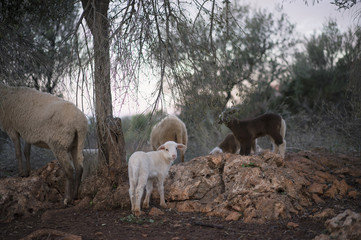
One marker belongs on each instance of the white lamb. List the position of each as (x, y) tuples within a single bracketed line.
[(144, 168), (171, 128)]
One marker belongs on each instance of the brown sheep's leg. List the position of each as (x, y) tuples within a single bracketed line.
[(27, 149), (276, 140), (242, 150), (254, 146), (246, 148)]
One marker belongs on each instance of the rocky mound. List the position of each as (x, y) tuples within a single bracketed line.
[(254, 188)]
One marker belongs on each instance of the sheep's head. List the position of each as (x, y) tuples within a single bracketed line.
[(225, 116), (170, 149)]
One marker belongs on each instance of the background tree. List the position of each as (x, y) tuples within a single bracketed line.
[(248, 52), (34, 46), (141, 32)]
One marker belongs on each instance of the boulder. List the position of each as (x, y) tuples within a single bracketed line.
[(345, 226)]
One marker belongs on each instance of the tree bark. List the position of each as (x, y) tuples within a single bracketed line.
[(96, 16)]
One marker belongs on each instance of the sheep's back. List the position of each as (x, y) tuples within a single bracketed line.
[(168, 129), (39, 117)]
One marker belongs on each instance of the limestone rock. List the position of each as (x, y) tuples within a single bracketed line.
[(346, 225)]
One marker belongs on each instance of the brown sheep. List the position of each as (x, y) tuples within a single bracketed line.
[(247, 131), (45, 121), (171, 128), (230, 144)]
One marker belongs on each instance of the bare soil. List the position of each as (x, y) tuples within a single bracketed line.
[(119, 224)]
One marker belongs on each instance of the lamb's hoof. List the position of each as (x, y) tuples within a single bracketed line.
[(137, 213), (145, 206), (163, 205)]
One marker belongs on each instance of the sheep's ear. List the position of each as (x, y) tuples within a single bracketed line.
[(161, 147), (181, 146)]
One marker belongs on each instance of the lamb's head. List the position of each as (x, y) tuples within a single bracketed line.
[(169, 149), (225, 116)]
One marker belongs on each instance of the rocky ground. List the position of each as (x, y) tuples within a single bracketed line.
[(307, 195)]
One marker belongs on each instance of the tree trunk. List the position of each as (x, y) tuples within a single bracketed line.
[(96, 15), (117, 167)]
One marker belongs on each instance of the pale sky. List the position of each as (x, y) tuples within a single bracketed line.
[(311, 17)]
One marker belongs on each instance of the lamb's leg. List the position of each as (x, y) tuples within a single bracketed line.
[(160, 185), (246, 148), (142, 181), (27, 149), (276, 140), (274, 146), (282, 148), (16, 140), (149, 189), (254, 146), (131, 193)]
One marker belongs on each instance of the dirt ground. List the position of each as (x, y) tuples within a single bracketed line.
[(119, 224)]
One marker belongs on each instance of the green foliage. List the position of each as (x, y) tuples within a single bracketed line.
[(137, 131), (249, 165), (133, 219), (34, 46), (319, 75)]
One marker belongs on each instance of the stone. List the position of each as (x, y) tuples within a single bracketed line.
[(155, 212), (317, 188), (292, 225), (317, 199), (233, 216), (344, 226), (328, 212)]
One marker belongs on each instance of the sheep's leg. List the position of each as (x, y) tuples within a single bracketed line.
[(274, 146), (181, 155), (282, 148), (27, 149), (160, 185), (64, 159), (254, 148), (78, 165), (149, 189), (246, 148), (16, 141), (142, 181), (276, 140)]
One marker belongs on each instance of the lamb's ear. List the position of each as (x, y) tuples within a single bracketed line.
[(181, 146), (161, 147)]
